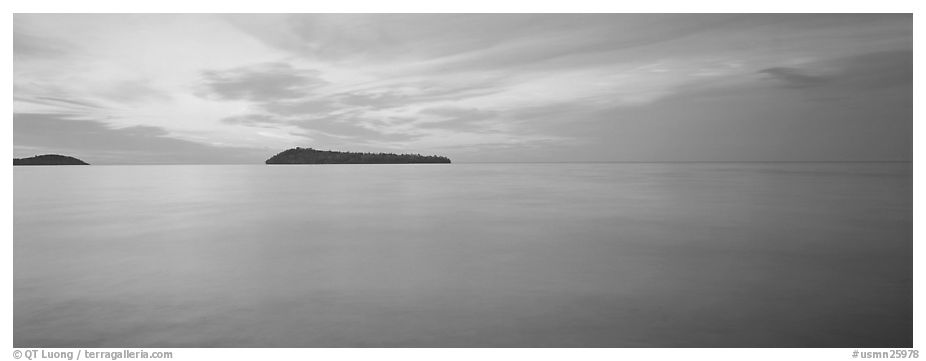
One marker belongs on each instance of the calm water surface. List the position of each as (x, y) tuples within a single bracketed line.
[(462, 255)]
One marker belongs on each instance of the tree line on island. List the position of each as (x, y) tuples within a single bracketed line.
[(49, 159), (290, 156), (312, 156)]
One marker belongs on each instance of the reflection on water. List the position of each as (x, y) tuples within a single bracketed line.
[(487, 255)]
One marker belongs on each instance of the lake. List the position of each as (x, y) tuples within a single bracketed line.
[(464, 255)]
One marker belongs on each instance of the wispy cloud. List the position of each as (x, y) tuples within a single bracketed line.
[(794, 78), (262, 82), (31, 46), (134, 92)]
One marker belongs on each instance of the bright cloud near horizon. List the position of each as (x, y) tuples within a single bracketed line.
[(178, 88)]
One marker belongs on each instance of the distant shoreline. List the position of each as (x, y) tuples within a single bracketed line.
[(549, 162), (48, 159), (312, 156)]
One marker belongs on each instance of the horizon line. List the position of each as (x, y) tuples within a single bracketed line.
[(543, 162)]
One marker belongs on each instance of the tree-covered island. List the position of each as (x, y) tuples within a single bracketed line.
[(49, 159), (311, 156)]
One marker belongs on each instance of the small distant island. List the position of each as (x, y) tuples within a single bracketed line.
[(49, 159), (311, 156)]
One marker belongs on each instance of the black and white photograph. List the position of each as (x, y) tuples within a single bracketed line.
[(461, 180)]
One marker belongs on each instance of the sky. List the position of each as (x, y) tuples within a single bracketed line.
[(239, 88)]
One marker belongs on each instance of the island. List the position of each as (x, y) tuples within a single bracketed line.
[(49, 159), (311, 156)]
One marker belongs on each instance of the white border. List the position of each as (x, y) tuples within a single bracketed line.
[(265, 6)]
